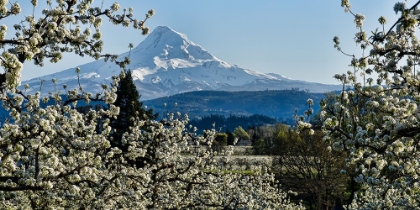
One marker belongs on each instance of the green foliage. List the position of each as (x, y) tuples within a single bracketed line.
[(130, 109), (223, 123), (220, 142), (283, 140), (260, 147), (221, 138), (230, 138), (305, 165), (265, 139), (240, 133)]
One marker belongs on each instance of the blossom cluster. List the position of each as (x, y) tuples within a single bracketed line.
[(65, 26), (378, 123), (56, 157)]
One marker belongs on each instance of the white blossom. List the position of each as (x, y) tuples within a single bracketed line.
[(378, 125)]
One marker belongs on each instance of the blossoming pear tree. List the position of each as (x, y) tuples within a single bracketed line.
[(54, 157), (376, 116)]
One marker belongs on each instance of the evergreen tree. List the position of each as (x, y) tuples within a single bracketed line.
[(130, 108), (230, 137), (220, 142)]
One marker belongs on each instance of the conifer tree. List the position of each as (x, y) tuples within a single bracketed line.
[(130, 109), (230, 138)]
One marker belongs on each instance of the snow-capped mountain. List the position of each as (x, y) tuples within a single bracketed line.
[(167, 63)]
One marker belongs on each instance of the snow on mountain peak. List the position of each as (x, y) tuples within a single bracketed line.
[(167, 43), (167, 63)]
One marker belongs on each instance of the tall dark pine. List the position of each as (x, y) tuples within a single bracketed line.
[(130, 108), (230, 138)]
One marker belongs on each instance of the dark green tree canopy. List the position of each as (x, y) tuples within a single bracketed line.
[(128, 100)]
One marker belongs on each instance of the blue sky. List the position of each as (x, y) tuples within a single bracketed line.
[(291, 38)]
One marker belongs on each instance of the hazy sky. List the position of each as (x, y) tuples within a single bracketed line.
[(291, 38)]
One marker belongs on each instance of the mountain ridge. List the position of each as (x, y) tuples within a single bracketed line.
[(167, 63), (278, 104)]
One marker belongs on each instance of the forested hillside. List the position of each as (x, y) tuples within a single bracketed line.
[(279, 104), (224, 124)]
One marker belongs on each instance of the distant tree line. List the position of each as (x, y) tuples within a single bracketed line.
[(225, 124), (304, 164)]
